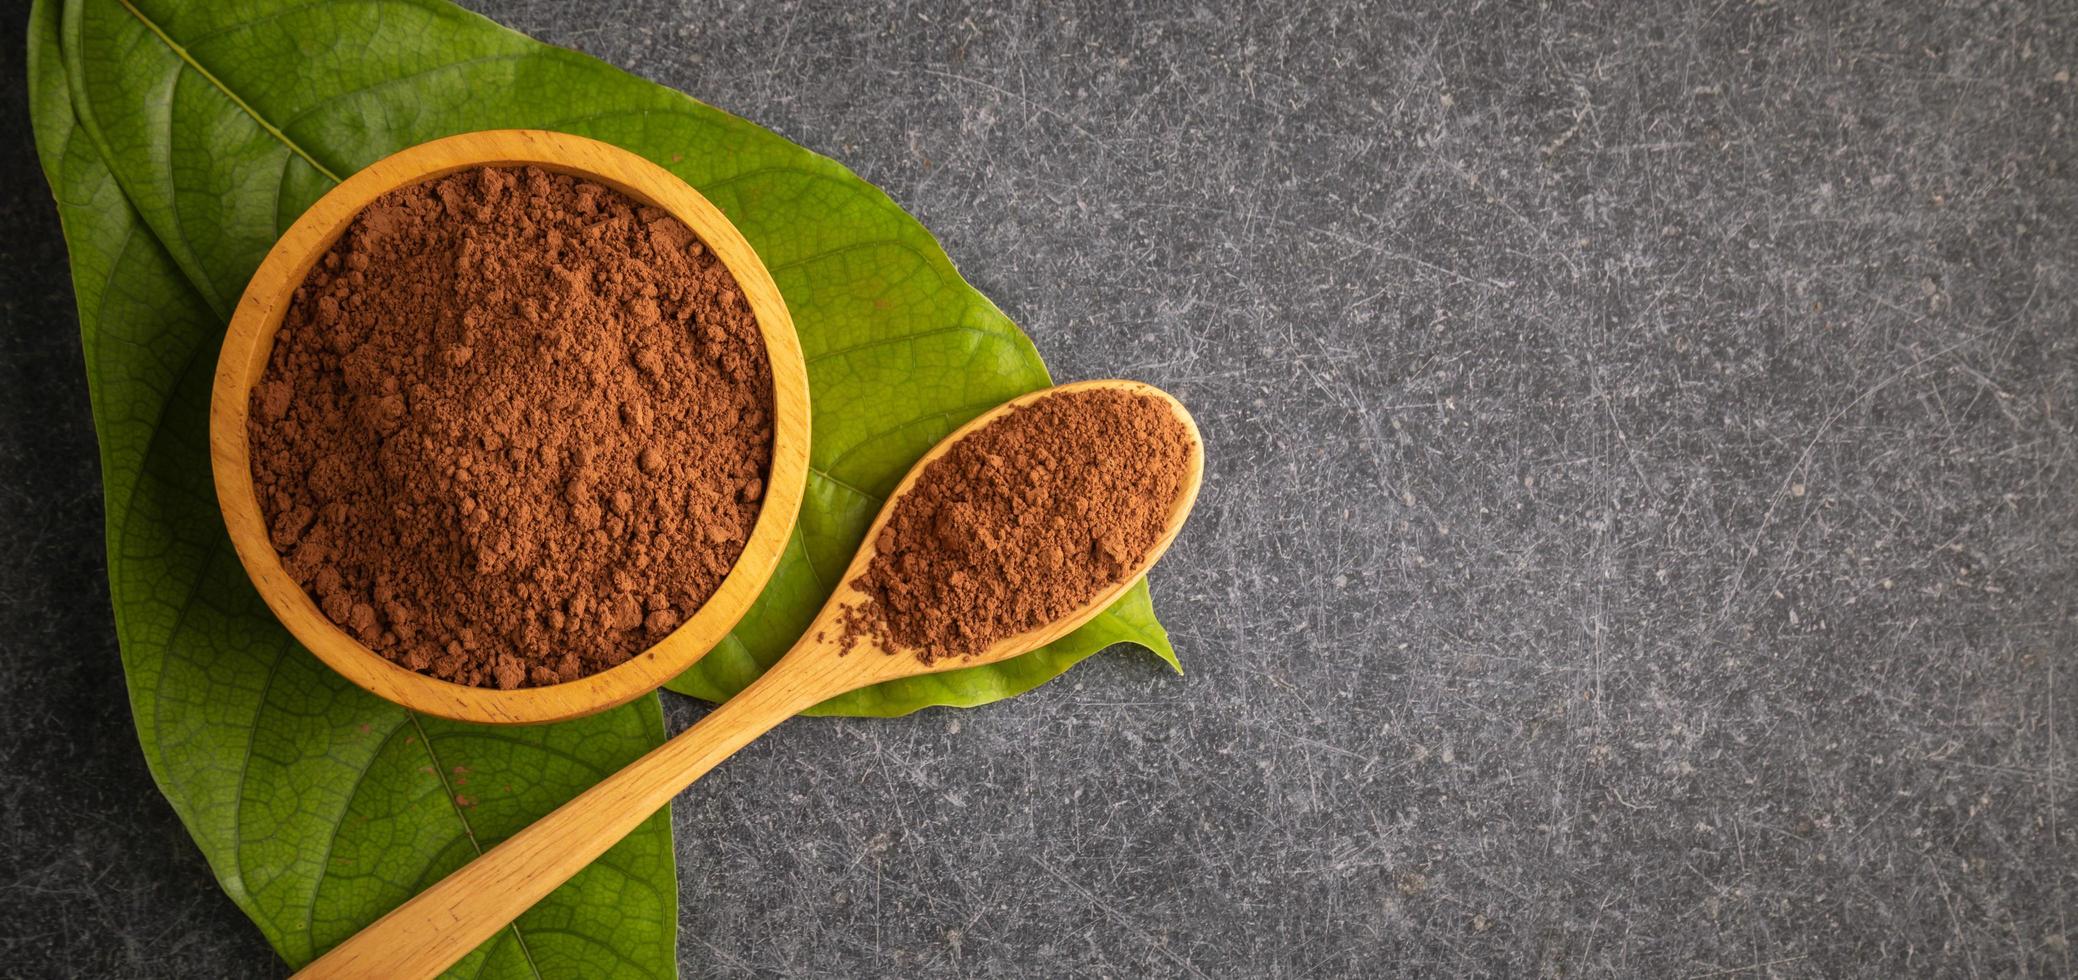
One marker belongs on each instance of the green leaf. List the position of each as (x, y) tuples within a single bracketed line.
[(224, 121), (319, 807), (181, 139)]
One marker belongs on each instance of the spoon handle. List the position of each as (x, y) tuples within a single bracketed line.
[(442, 924)]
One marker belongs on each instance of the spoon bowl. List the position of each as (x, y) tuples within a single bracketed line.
[(250, 342), (874, 663), (442, 924)]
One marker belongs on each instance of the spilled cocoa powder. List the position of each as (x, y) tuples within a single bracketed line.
[(1021, 522), (514, 428)]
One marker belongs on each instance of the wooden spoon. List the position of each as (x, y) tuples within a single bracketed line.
[(442, 924)]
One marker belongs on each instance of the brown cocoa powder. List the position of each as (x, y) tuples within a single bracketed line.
[(514, 428), (1021, 522)]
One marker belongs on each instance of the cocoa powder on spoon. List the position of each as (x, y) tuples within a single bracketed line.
[(514, 429), (1021, 521)]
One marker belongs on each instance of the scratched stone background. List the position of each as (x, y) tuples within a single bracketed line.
[(1638, 539)]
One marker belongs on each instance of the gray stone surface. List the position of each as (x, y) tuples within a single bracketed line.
[(1638, 537)]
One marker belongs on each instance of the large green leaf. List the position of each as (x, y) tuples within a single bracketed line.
[(318, 806), (222, 122), (181, 139)]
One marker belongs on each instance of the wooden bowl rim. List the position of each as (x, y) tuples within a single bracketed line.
[(249, 342)]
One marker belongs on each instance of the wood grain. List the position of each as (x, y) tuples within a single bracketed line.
[(250, 340), (442, 924)]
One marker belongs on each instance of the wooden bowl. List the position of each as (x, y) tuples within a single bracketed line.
[(250, 342)]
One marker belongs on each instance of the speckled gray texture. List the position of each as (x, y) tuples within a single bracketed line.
[(1638, 539)]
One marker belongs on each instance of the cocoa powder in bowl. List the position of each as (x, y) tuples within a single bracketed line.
[(514, 428), (1021, 522)]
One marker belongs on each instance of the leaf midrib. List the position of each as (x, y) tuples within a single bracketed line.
[(259, 120), (447, 789)]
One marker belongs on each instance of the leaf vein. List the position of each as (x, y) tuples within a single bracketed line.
[(257, 21), (188, 59), (447, 789), (857, 246), (332, 842), (995, 335), (396, 80), (969, 410), (814, 471), (591, 941)]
